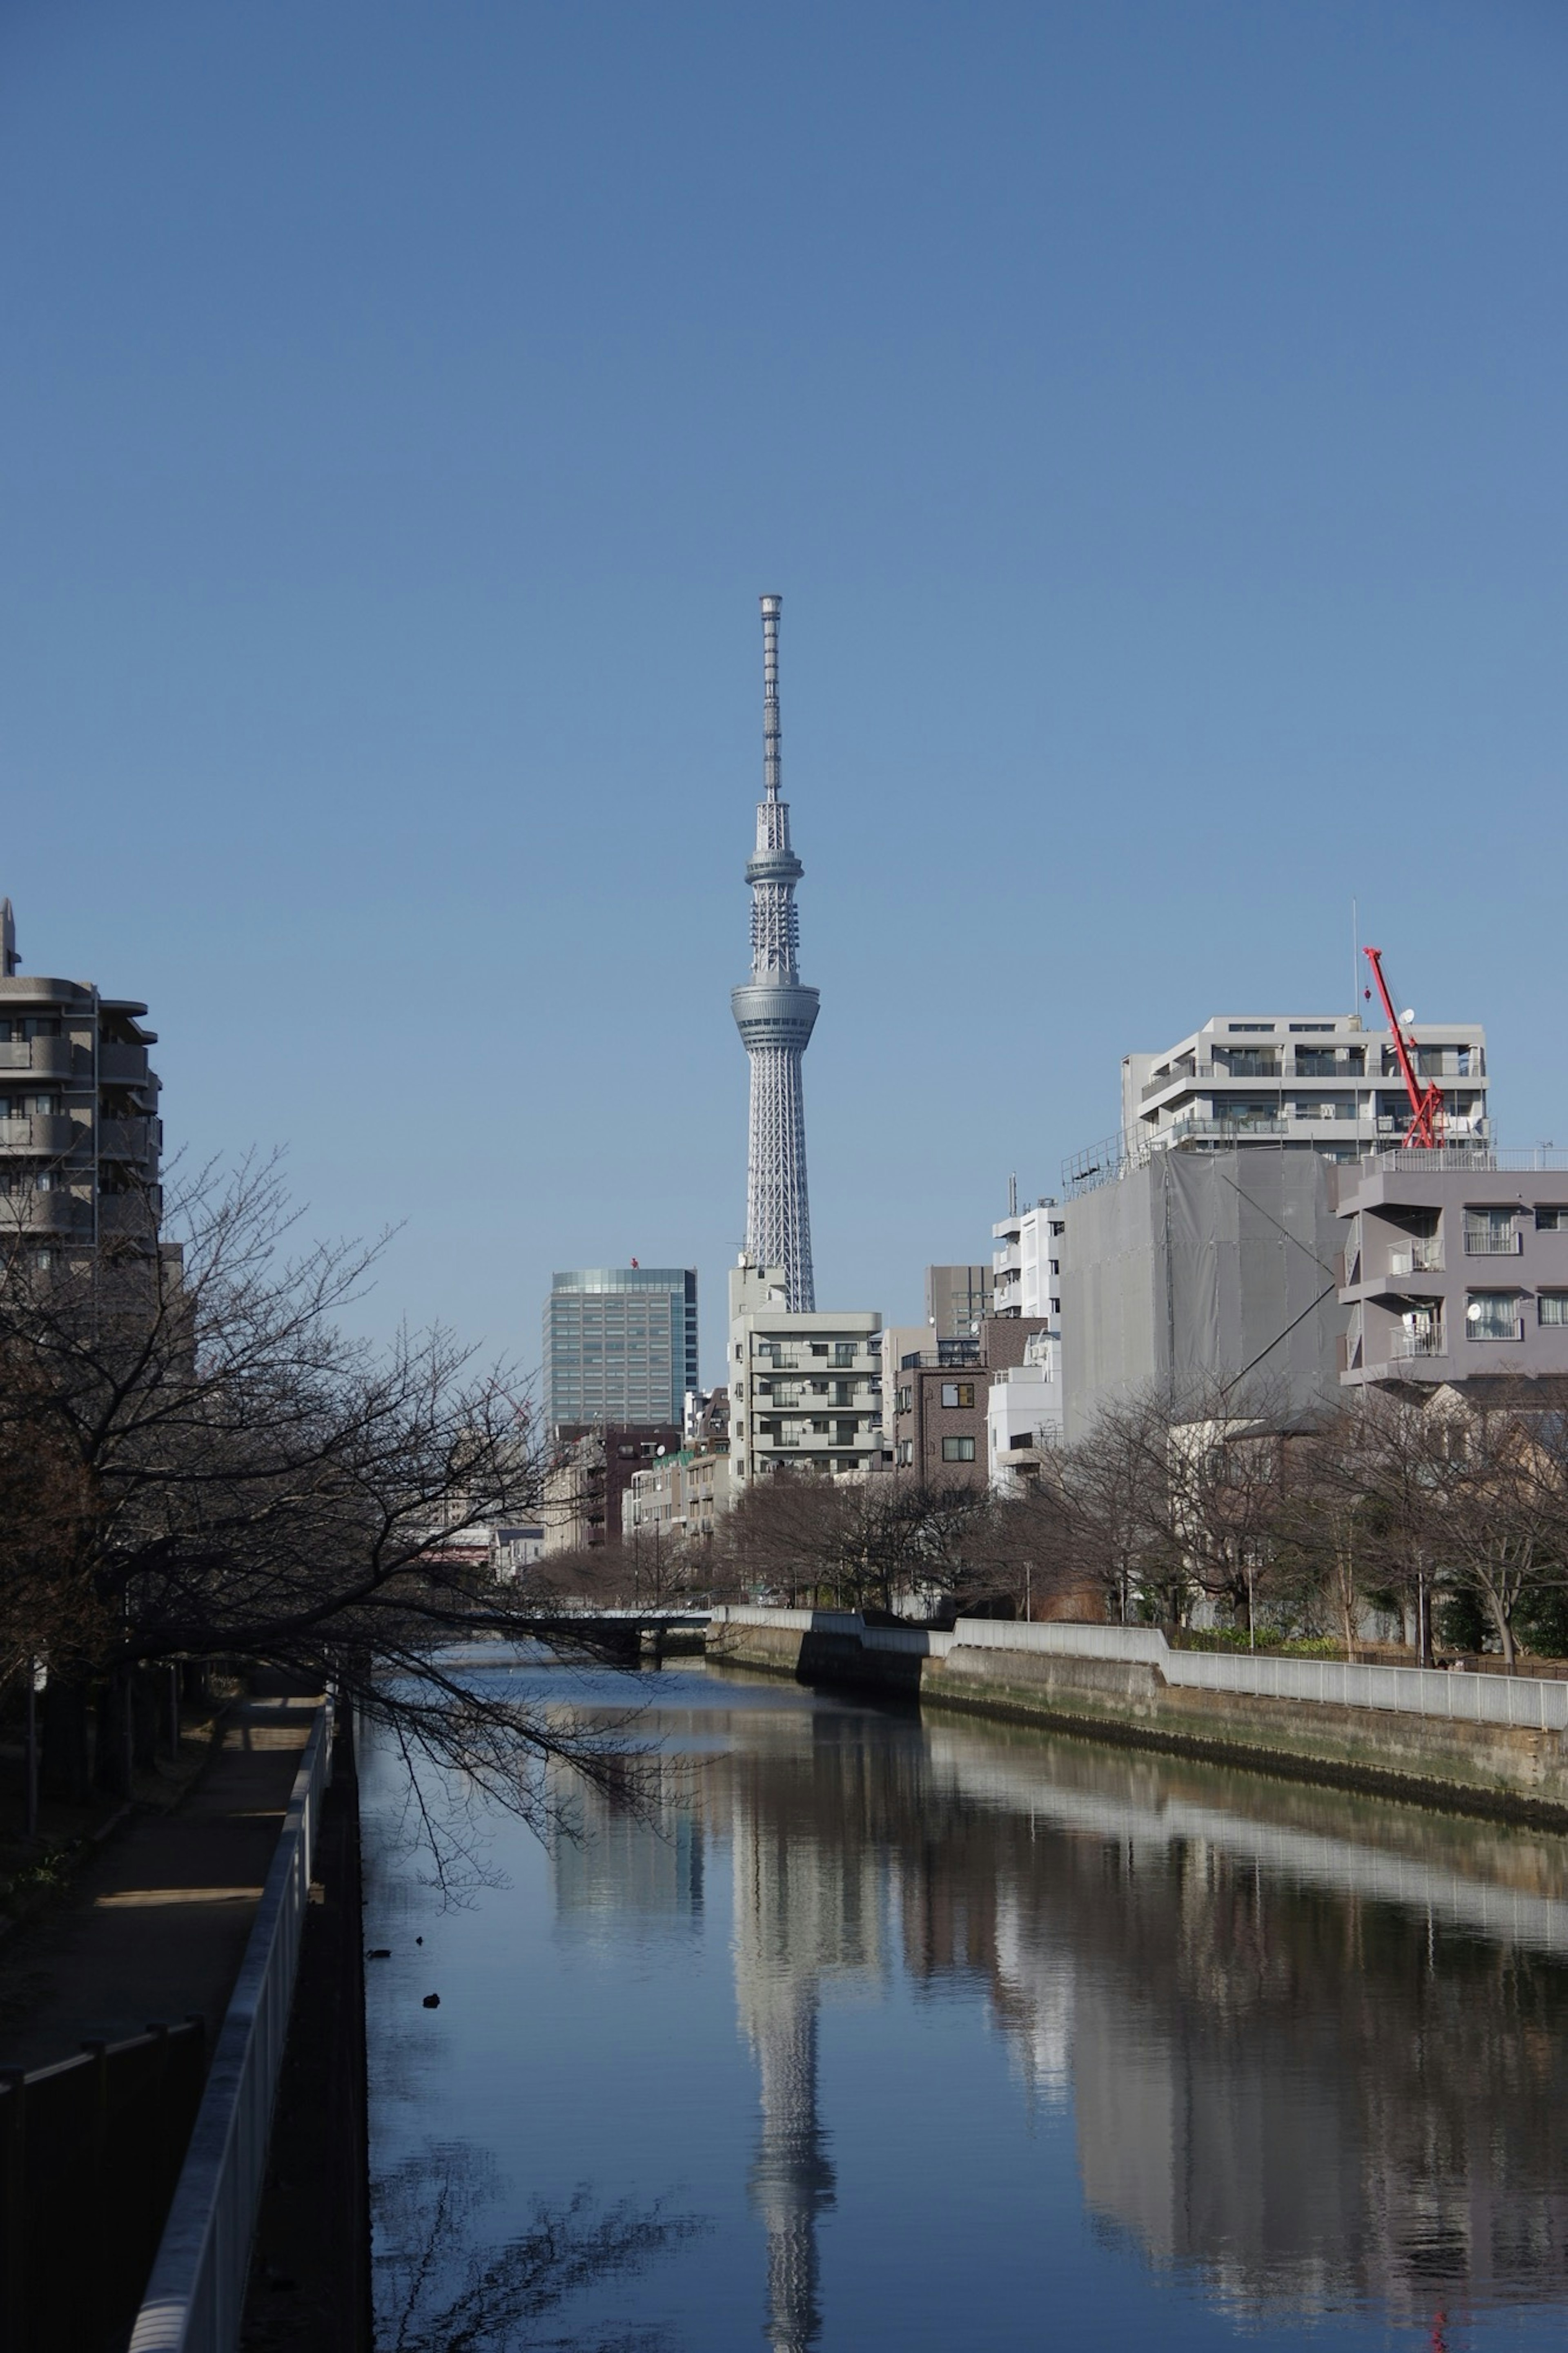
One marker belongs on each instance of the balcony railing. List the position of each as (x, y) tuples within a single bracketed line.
[(1406, 1345), (1483, 1242), (1421, 1257)]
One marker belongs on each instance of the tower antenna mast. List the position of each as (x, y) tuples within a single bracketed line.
[(776, 1014)]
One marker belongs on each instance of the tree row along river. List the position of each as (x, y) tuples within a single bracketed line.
[(877, 2032)]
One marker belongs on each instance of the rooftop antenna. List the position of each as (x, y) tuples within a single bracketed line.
[(9, 959), (1355, 958), (1013, 1196)]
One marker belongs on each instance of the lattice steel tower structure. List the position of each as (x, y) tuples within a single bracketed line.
[(776, 1014)]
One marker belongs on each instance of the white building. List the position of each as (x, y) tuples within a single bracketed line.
[(1023, 1413), (1026, 1262), (805, 1390)]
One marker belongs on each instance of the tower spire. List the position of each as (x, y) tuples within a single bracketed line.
[(776, 1014)]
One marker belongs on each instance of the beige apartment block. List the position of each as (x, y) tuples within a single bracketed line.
[(806, 1389)]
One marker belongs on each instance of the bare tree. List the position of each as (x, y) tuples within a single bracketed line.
[(234, 1478)]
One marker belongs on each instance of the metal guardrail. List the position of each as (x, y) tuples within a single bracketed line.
[(102, 2134), (1407, 1690), (196, 2293)]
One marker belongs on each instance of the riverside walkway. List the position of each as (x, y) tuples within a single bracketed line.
[(153, 1928)]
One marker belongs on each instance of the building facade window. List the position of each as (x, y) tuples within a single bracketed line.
[(958, 1449), (1551, 1216), (958, 1393), (1490, 1233), (1492, 1315), (906, 1452), (1552, 1307)]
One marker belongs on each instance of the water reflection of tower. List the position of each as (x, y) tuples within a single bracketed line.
[(801, 1912)]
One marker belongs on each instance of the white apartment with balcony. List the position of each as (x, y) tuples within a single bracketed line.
[(1316, 1079), (806, 1391), (1026, 1261)]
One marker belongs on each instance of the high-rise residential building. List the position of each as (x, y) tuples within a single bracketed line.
[(776, 1014), (806, 1389), (79, 1134), (958, 1300), (620, 1345)]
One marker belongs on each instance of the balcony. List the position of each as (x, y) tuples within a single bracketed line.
[(45, 1213), (1494, 1327), (127, 1139), (52, 1132), (121, 1066), (1421, 1257), (1405, 1345), (1482, 1241)]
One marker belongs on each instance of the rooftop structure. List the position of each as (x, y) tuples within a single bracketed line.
[(1319, 1081), (776, 1014), (958, 1300)]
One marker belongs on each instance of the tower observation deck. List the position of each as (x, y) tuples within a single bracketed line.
[(776, 1014)]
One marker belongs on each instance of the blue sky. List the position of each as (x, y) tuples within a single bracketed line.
[(1153, 415)]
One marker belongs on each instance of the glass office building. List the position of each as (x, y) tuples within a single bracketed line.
[(620, 1343)]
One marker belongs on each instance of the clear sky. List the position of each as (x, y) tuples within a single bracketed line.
[(1153, 413)]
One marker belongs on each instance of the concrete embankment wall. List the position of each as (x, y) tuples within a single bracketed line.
[(1405, 1747)]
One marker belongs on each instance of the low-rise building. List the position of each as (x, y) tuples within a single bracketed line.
[(586, 1482), (941, 1401), (1024, 1417), (686, 1494), (1455, 1267), (805, 1390)]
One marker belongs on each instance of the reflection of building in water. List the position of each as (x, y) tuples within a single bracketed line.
[(609, 1857), (1299, 2058), (805, 1909)]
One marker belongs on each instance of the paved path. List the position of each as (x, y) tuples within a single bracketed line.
[(154, 1927)]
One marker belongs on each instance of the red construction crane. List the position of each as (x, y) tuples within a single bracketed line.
[(1425, 1129)]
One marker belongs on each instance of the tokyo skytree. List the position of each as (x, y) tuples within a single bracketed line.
[(776, 1014)]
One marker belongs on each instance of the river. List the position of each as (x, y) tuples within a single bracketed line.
[(872, 2032)]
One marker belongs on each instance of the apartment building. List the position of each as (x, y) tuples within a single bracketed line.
[(805, 1390), (81, 1139), (1027, 1261), (1319, 1079), (1453, 1268), (620, 1345)]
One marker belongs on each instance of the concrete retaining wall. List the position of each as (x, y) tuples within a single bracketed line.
[(1495, 1767)]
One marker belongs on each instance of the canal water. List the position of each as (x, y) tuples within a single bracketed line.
[(866, 2032)]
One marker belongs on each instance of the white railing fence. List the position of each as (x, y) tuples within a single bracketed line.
[(196, 2293), (1537, 1706)]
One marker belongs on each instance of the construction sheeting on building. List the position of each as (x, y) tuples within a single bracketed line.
[(1202, 1266)]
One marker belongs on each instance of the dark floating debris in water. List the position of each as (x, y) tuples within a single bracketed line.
[(379, 1953), (432, 2002), (419, 1940)]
